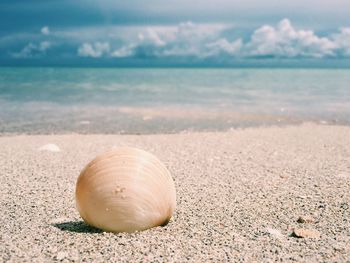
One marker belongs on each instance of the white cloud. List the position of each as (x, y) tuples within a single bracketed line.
[(342, 40), (45, 30), (43, 46), (213, 40), (223, 46), (147, 40), (190, 39), (33, 50), (203, 41), (185, 39), (95, 50), (151, 36), (285, 41), (125, 51)]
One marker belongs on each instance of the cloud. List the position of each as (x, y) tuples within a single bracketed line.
[(125, 51), (223, 46), (95, 50), (285, 41), (342, 41), (189, 41), (185, 39), (33, 50), (209, 41), (45, 30), (151, 36), (281, 41)]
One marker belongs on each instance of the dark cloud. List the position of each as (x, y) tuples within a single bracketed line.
[(27, 15)]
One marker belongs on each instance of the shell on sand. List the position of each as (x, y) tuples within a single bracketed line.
[(50, 148), (125, 190)]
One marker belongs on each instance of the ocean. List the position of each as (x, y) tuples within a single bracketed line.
[(159, 100)]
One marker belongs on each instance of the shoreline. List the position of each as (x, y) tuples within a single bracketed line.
[(163, 131), (54, 119), (240, 194)]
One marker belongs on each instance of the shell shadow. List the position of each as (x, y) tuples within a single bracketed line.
[(77, 227)]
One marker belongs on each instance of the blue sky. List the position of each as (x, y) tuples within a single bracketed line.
[(175, 33)]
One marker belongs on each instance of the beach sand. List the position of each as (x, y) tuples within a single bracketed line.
[(239, 196)]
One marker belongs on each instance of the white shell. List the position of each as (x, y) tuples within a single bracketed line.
[(125, 190)]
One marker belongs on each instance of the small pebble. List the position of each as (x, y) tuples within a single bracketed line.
[(305, 219), (305, 233)]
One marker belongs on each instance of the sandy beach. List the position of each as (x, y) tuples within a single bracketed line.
[(240, 194)]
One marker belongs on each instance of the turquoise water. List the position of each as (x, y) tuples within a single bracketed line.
[(42, 100)]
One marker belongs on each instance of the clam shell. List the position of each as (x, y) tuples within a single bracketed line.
[(125, 190)]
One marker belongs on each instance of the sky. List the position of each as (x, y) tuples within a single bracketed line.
[(175, 33)]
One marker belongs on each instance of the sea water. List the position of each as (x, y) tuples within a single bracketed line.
[(152, 100)]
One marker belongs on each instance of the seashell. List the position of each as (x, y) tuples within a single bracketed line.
[(125, 190)]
